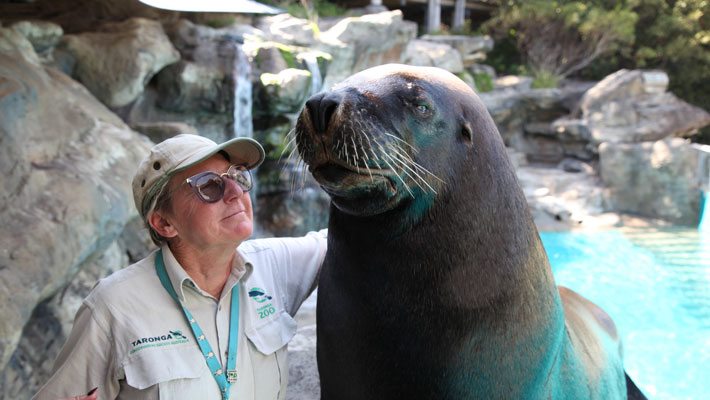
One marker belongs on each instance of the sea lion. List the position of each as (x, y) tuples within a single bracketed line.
[(435, 283)]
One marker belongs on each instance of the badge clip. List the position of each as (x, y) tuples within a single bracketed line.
[(232, 376)]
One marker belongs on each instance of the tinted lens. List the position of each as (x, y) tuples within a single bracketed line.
[(241, 176), (210, 187)]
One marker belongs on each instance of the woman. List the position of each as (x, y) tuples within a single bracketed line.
[(208, 315)]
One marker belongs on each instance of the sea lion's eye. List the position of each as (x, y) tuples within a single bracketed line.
[(423, 108)]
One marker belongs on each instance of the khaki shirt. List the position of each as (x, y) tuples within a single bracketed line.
[(131, 340)]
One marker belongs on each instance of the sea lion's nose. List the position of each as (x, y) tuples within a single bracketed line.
[(321, 108)]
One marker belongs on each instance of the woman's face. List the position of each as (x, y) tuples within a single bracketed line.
[(203, 225)]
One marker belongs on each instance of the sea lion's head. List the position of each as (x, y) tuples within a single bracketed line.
[(391, 136)]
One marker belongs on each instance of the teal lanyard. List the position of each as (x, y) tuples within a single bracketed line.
[(211, 358)]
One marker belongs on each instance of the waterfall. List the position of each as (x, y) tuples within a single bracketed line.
[(704, 186), (243, 125), (311, 61)]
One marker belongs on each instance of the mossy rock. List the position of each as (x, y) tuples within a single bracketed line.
[(274, 57), (272, 133)]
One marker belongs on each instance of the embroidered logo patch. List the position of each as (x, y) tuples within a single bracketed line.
[(173, 337), (259, 295)]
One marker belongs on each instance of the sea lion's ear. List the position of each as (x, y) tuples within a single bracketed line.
[(466, 129)]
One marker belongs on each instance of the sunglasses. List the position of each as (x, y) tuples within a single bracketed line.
[(209, 186)]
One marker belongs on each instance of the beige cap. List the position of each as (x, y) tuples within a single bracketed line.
[(181, 152)]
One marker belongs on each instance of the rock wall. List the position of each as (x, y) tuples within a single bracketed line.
[(655, 178), (66, 164)]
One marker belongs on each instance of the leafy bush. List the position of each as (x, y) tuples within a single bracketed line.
[(536, 36), (484, 82), (505, 57), (562, 37), (544, 79), (673, 36)]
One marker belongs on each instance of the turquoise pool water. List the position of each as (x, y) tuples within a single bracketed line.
[(655, 284)]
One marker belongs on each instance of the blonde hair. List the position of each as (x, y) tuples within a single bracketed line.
[(161, 203)]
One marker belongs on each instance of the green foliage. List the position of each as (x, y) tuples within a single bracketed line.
[(445, 30), (484, 82), (220, 21), (544, 80), (562, 37), (505, 57), (674, 36), (465, 29), (670, 35), (310, 9), (287, 54), (442, 31)]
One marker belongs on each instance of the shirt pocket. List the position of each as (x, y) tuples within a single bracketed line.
[(272, 334), (268, 355), (165, 367)]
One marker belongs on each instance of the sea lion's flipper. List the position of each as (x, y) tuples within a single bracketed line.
[(632, 391)]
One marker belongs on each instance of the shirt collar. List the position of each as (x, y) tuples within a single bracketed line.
[(241, 268)]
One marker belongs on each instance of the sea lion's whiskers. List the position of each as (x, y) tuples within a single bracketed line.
[(426, 171), (369, 145), (405, 170), (382, 150), (357, 167), (366, 158), (398, 139), (293, 158), (369, 172), (290, 137), (299, 178), (415, 164), (295, 177), (292, 155), (345, 147), (304, 173), (409, 163), (376, 156), (338, 148), (360, 134), (289, 143), (408, 159)]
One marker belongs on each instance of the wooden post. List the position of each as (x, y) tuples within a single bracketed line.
[(433, 16), (459, 14)]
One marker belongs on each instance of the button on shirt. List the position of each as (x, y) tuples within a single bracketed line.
[(131, 340)]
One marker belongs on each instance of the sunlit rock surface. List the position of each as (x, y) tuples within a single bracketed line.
[(66, 164), (425, 53), (634, 106), (115, 62), (654, 179)]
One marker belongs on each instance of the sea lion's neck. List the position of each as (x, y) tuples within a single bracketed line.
[(489, 285), (460, 284), (455, 240)]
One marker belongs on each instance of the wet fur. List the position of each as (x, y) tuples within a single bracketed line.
[(440, 290)]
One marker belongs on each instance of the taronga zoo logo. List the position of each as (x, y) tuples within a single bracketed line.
[(172, 337), (259, 295)]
